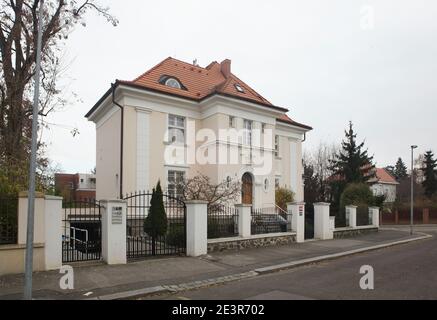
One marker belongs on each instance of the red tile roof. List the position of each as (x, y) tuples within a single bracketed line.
[(384, 177), (201, 83)]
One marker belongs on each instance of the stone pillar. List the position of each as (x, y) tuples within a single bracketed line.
[(322, 222), (197, 228), (375, 216), (39, 228), (114, 231), (297, 210), (53, 233), (352, 212), (425, 216), (244, 220)]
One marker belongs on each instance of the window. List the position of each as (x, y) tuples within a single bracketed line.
[(173, 83), (231, 122), (239, 88), (266, 185), (263, 128), (247, 133), (176, 129), (277, 183), (276, 146), (228, 182), (174, 183)]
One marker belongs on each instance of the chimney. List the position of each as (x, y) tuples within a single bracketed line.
[(226, 68)]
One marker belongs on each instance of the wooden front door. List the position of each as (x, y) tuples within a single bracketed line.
[(247, 189)]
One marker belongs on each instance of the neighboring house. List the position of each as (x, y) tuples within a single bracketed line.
[(147, 128), (76, 187), (384, 184)]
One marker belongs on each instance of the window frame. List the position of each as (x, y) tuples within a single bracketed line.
[(175, 126), (166, 83), (172, 187), (247, 132), (277, 146)]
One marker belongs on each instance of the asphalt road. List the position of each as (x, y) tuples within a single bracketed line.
[(401, 272)]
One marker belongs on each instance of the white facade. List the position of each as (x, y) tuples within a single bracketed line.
[(146, 143), (387, 189)]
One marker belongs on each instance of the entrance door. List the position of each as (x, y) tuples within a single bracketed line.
[(247, 189)]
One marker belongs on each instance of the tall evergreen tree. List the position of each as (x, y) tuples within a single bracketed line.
[(352, 164), (400, 170), (155, 224), (430, 174)]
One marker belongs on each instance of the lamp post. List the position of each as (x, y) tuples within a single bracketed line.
[(32, 167), (412, 190)]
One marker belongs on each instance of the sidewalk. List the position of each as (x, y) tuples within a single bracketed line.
[(98, 280)]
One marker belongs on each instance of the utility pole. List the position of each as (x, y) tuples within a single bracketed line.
[(32, 166), (412, 190)]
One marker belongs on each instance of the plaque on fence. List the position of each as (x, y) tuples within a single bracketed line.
[(117, 215)]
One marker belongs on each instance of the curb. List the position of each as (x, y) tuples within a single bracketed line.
[(249, 274), (294, 264)]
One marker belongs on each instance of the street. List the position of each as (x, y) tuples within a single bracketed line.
[(401, 272)]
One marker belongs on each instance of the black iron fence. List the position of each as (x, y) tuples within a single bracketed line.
[(8, 220), (82, 231), (363, 216), (270, 220), (141, 243), (222, 222)]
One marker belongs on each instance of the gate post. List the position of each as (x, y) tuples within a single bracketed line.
[(322, 222), (197, 228), (352, 211), (114, 231), (244, 220), (53, 232), (375, 216), (297, 210)]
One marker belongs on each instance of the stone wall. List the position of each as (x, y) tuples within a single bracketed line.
[(254, 242), (347, 233)]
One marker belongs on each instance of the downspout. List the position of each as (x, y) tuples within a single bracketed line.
[(304, 137), (114, 86)]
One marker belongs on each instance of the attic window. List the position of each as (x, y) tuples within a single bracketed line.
[(173, 83), (239, 88)]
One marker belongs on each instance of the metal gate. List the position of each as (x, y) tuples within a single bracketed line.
[(82, 231), (142, 245)]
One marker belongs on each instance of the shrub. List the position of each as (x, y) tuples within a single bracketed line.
[(176, 235), (284, 196), (357, 194)]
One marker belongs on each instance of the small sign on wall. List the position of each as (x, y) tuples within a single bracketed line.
[(117, 215), (301, 210)]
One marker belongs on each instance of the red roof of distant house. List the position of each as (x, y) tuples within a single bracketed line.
[(200, 83), (384, 177)]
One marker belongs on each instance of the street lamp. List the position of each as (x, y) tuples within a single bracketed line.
[(412, 190)]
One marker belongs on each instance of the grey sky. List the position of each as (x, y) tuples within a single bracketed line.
[(311, 56)]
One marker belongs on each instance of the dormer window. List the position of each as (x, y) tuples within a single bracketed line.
[(173, 83), (239, 88)]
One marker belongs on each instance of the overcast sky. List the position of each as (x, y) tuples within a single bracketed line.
[(324, 60)]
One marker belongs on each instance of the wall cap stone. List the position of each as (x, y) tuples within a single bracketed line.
[(53, 198), (24, 194), (196, 202), (242, 205), (322, 204)]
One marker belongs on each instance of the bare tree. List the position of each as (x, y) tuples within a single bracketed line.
[(18, 38), (200, 187), (319, 161)]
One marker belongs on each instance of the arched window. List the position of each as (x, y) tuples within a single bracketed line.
[(173, 83)]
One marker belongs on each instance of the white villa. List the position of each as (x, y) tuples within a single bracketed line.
[(175, 120), (384, 184)]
